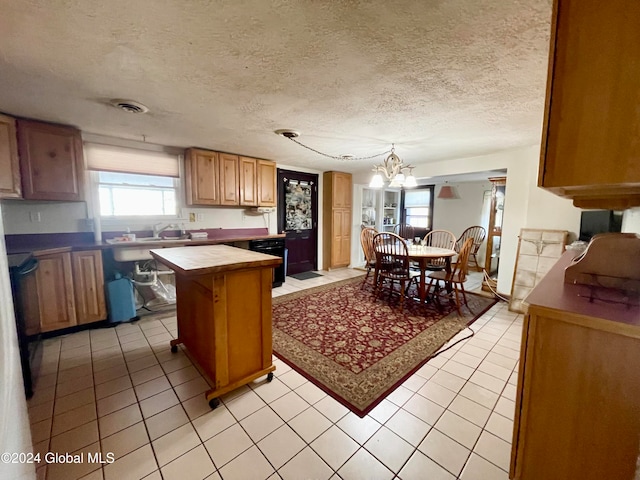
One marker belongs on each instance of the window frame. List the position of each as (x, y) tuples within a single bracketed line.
[(174, 187), (403, 210)]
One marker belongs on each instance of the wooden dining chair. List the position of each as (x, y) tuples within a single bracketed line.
[(477, 234), (405, 231), (366, 241), (392, 264), (440, 239), (452, 282)]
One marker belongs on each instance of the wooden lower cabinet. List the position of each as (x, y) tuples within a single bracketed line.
[(55, 294), (224, 312), (341, 238), (578, 399), (88, 282), (66, 290)]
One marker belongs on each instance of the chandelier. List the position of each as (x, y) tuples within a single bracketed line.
[(394, 171)]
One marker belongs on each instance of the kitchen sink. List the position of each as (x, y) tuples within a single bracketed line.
[(137, 250)]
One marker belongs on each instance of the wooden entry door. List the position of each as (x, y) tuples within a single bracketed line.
[(298, 218)]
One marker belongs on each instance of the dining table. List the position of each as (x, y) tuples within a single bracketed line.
[(421, 255)]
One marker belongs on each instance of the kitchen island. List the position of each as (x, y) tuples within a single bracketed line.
[(223, 298)]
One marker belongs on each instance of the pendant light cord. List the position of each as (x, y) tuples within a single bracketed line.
[(335, 157)]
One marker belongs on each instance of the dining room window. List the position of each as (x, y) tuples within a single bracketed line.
[(417, 207)]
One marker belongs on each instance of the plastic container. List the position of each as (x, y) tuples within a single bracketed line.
[(122, 305)]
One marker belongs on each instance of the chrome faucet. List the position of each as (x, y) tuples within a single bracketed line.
[(158, 228)]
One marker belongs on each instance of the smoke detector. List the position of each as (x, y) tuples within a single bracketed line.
[(130, 106)]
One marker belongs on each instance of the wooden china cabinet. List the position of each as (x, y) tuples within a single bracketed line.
[(494, 235)]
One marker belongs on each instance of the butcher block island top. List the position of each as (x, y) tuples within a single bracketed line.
[(223, 298), (208, 259)]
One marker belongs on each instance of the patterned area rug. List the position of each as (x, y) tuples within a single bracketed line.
[(359, 349)]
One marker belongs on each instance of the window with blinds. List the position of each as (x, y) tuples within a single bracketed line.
[(133, 182), (418, 207)]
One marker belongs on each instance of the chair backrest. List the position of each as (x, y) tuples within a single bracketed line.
[(459, 272), (366, 240), (476, 233), (392, 253), (405, 231), (440, 238)]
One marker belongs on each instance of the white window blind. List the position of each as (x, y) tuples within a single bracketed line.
[(109, 158)]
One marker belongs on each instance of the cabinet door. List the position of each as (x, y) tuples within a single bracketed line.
[(228, 179), (590, 146), (54, 281), (88, 282), (341, 190), (51, 161), (345, 247), (266, 183), (341, 238), (202, 177), (248, 182), (9, 166)]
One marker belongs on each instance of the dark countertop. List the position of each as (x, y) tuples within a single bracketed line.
[(42, 244)]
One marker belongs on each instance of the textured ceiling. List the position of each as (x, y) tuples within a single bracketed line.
[(440, 79)]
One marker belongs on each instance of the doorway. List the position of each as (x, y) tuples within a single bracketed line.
[(298, 218)]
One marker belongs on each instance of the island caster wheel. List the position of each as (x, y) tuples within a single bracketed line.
[(174, 348), (269, 376), (213, 403)]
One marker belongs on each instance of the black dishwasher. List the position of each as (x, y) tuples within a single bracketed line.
[(272, 246)]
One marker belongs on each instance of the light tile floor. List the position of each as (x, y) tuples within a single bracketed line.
[(121, 390)]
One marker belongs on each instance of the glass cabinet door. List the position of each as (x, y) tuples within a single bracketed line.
[(391, 210), (369, 207)]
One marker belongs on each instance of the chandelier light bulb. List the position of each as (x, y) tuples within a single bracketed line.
[(376, 181), (410, 181)]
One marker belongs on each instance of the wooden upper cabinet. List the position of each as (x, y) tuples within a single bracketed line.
[(51, 161), (54, 280), (88, 282), (342, 190), (9, 166), (266, 176), (248, 182), (229, 179), (202, 174), (590, 149)]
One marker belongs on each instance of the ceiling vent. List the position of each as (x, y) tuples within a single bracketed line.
[(130, 106)]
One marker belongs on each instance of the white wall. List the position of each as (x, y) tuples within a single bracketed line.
[(15, 435), (457, 214), (631, 220), (525, 204)]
